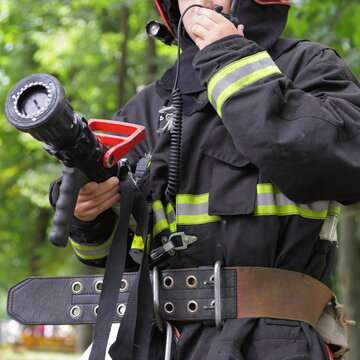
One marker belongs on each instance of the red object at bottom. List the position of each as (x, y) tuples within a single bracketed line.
[(331, 356)]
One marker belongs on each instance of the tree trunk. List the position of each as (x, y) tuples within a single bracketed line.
[(347, 276), (122, 73)]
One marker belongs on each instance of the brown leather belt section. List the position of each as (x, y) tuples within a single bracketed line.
[(195, 294), (281, 294)]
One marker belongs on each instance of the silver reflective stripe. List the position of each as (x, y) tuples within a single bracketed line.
[(171, 217), (270, 201), (280, 199), (163, 218), (93, 254), (192, 209), (88, 252), (159, 214), (237, 74)]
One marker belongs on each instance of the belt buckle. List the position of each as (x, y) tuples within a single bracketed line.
[(217, 292)]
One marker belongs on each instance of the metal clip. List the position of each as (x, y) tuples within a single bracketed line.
[(166, 113), (169, 246)]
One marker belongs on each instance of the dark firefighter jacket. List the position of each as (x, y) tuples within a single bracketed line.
[(262, 177)]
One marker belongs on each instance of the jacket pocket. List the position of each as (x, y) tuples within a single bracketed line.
[(233, 177)]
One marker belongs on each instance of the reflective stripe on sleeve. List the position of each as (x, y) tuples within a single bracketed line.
[(238, 75), (164, 218), (270, 201), (90, 252)]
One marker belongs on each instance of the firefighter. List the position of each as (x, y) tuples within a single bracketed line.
[(269, 152)]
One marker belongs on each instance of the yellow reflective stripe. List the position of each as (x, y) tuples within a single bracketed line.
[(270, 201), (163, 218), (160, 221), (241, 83), (160, 226), (190, 210), (193, 209), (266, 188), (89, 247), (196, 219), (192, 199), (92, 257), (233, 66), (157, 205), (238, 75), (170, 216), (88, 252), (335, 210), (289, 210)]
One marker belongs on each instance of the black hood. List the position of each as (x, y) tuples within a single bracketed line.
[(263, 24)]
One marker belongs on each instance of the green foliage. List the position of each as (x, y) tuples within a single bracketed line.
[(79, 42), (335, 23)]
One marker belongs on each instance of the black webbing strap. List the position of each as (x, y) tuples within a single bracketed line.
[(112, 278), (133, 338)]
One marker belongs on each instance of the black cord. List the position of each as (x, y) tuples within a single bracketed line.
[(180, 24), (176, 132)]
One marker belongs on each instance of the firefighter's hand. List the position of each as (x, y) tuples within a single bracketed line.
[(95, 198), (207, 26)]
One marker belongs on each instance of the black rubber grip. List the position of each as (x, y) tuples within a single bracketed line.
[(73, 180)]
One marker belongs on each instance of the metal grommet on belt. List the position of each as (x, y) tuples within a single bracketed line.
[(168, 282), (124, 285), (192, 306), (77, 287), (169, 307), (191, 281), (75, 312), (121, 309), (98, 286)]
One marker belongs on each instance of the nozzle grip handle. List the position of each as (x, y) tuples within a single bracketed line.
[(73, 180)]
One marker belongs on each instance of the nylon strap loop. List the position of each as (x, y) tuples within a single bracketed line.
[(113, 274)]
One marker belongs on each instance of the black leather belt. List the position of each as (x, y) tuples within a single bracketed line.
[(199, 294), (181, 295)]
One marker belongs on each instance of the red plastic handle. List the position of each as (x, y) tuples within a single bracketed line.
[(124, 136)]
